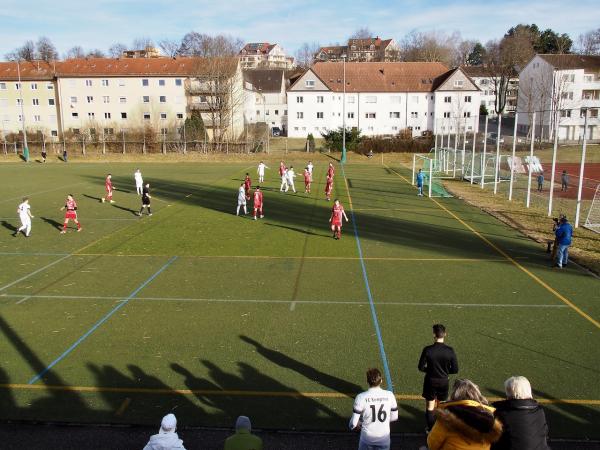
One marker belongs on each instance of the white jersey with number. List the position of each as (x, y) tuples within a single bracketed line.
[(139, 181), (374, 409), (310, 168), (23, 209), (261, 169)]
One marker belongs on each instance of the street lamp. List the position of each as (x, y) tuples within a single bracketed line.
[(25, 146), (343, 159)]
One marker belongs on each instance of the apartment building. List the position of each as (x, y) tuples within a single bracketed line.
[(266, 99), (361, 50), (489, 85), (383, 99), (561, 89), (264, 55)]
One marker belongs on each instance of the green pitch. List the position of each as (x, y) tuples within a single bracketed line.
[(209, 315)]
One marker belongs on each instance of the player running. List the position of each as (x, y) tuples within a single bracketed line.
[(328, 187), (241, 199), (337, 212), (146, 200), (258, 203), (331, 171), (139, 182), (109, 189), (71, 214), (289, 176), (24, 211), (310, 168), (307, 180), (261, 171), (247, 186)]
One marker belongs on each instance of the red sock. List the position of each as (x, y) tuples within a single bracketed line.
[(64, 226), (78, 225)]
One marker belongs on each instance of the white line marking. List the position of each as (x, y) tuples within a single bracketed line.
[(41, 192), (293, 305), (115, 219), (24, 299), (34, 272)]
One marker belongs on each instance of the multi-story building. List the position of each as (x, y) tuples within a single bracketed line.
[(561, 90), (383, 99), (262, 55), (266, 99), (361, 50), (148, 52), (490, 84)]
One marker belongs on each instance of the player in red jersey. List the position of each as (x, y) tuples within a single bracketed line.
[(109, 189), (258, 203), (307, 180), (71, 207), (247, 185), (282, 169), (328, 187), (330, 171), (337, 212)]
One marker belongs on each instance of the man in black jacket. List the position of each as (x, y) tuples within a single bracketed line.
[(438, 361)]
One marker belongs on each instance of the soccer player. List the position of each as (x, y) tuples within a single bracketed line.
[(24, 211), (109, 189), (71, 207), (258, 203), (290, 175), (310, 168), (437, 361), (337, 212), (328, 187), (284, 180), (146, 200), (241, 199), (372, 413), (247, 186), (44, 155), (331, 170), (139, 181), (420, 177), (261, 171), (564, 181), (307, 180)]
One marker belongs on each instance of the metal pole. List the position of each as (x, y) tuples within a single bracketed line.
[(455, 150), (430, 177), (462, 170), (123, 136), (414, 167), (497, 167), (343, 159), (185, 142), (581, 168), (513, 157), (436, 137), (530, 168), (103, 143), (483, 156), (473, 155), (25, 146), (554, 154)]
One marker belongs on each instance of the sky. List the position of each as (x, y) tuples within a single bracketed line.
[(100, 23)]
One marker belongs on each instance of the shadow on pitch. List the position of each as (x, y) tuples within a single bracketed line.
[(9, 226), (52, 222)]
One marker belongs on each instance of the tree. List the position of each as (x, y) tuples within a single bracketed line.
[(310, 143), (142, 43), (116, 50), (334, 139), (26, 52), (477, 55), (305, 55), (547, 41), (589, 43), (430, 47), (95, 53), (206, 46), (362, 33), (75, 52), (170, 47), (194, 127), (46, 51)]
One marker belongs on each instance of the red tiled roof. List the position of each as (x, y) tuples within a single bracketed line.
[(30, 70)]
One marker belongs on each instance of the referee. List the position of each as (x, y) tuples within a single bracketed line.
[(437, 361)]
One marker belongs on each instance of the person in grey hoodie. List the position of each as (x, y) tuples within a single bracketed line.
[(166, 439)]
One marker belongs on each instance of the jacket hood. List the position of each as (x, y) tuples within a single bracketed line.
[(470, 419), (164, 441)]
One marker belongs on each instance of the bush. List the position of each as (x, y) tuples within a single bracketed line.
[(394, 145), (310, 142), (333, 139), (483, 111)]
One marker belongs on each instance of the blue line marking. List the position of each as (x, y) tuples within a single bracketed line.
[(386, 367), (100, 322)]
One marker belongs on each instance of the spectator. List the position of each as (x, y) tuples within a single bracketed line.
[(564, 181), (437, 361), (243, 439), (166, 439), (466, 422), (564, 236), (65, 155), (523, 419), (540, 182)]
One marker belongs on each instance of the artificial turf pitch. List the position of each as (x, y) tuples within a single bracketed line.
[(209, 315)]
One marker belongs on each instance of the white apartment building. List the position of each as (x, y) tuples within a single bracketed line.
[(561, 89), (37, 92), (266, 99), (264, 55), (361, 50), (382, 99), (488, 85)]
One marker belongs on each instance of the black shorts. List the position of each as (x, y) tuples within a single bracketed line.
[(435, 389), (146, 201)]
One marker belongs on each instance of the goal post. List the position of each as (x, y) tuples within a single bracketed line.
[(592, 221), (433, 173)]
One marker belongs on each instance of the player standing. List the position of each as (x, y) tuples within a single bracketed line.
[(337, 212), (420, 177), (310, 168), (328, 187), (289, 176), (247, 186), (261, 171), (307, 180), (145, 200), (71, 207), (241, 199), (331, 171), (109, 189), (258, 203), (372, 412), (24, 211), (139, 182)]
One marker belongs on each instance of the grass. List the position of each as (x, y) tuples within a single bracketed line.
[(272, 318)]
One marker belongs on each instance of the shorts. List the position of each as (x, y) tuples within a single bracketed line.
[(146, 201), (435, 389), (336, 223), (258, 206), (71, 215), (242, 202)]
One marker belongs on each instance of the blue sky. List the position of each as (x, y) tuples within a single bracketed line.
[(100, 23)]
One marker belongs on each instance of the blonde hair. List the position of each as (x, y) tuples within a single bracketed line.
[(464, 389), (518, 388)]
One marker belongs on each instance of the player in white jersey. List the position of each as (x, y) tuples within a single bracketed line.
[(373, 411), (290, 175), (284, 180), (241, 200), (261, 171), (24, 211), (310, 168), (139, 181)]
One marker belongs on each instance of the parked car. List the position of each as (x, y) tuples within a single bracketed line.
[(493, 137), (276, 131)]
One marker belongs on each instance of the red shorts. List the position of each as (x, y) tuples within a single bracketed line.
[(258, 206), (71, 215), (336, 223)]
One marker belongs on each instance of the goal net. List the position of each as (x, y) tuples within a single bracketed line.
[(433, 173), (478, 167), (592, 221)]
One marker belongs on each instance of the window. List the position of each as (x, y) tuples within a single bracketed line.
[(446, 115), (91, 115), (319, 115), (34, 86), (54, 133), (162, 99), (122, 99), (145, 82), (458, 83), (370, 115), (320, 99), (395, 99), (178, 82), (2, 86), (109, 131), (161, 82), (18, 86), (19, 102), (37, 118), (75, 115), (105, 83), (35, 101), (566, 95), (123, 115), (299, 99), (371, 99), (276, 112), (73, 99), (107, 115), (467, 114), (146, 99), (467, 99), (75, 130), (88, 83), (50, 86), (267, 112), (50, 102), (299, 115), (180, 115), (90, 99), (163, 116), (146, 116), (258, 112), (414, 115), (569, 77), (483, 82), (105, 99), (588, 78), (394, 115), (350, 115), (565, 113), (20, 118), (121, 82), (447, 99), (309, 83)]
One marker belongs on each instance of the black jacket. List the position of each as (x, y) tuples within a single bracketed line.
[(525, 426), (438, 361)]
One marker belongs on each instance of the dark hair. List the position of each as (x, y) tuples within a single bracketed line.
[(257, 187), (373, 377), (439, 330)]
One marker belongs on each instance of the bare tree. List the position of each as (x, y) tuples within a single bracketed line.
[(75, 52), (26, 52), (463, 50), (428, 47), (46, 51), (116, 50), (362, 33), (203, 45), (305, 55), (170, 47), (589, 43), (142, 43), (96, 53)]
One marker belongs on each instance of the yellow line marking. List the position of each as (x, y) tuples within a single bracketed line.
[(537, 279), (241, 393), (123, 407)]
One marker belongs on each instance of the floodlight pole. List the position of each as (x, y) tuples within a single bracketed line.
[(497, 166), (455, 148), (473, 153), (530, 159), (343, 159), (554, 154), (581, 167), (512, 161), (430, 177), (413, 168), (484, 151), (25, 146), (462, 165)]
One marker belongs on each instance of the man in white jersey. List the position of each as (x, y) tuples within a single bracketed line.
[(261, 172), (373, 411), (290, 175), (241, 200), (24, 211), (310, 167), (139, 181), (284, 180)]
